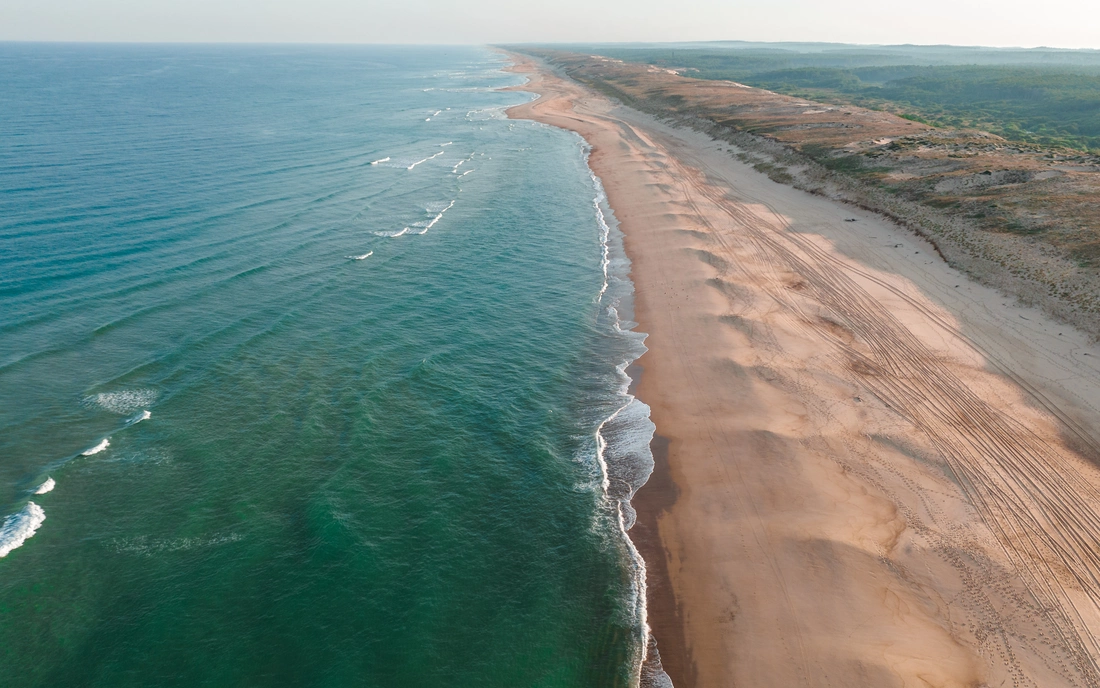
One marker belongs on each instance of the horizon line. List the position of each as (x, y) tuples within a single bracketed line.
[(529, 43)]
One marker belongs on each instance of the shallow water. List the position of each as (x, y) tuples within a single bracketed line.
[(314, 345)]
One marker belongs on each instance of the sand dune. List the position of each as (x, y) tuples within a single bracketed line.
[(878, 473)]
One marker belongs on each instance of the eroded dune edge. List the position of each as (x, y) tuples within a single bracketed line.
[(870, 470)]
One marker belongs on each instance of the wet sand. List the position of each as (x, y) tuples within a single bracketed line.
[(870, 470)]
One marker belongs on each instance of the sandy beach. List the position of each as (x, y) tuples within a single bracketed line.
[(871, 471)]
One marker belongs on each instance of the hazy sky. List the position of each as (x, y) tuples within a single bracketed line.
[(1061, 23)]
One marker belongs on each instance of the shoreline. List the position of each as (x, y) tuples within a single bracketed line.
[(667, 651), (867, 478)]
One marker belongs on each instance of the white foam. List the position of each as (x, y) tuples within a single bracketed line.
[(379, 162), (391, 235), (46, 486), (430, 157), (485, 114), (366, 255), (123, 401), (422, 226), (144, 415), (147, 546), (19, 527), (155, 456), (96, 449), (605, 230), (437, 218)]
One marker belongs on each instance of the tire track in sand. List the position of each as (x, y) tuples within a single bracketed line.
[(1029, 492)]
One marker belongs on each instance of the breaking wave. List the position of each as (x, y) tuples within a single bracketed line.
[(423, 226), (96, 449), (430, 157), (20, 526), (144, 415)]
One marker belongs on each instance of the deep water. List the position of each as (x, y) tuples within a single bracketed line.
[(370, 456)]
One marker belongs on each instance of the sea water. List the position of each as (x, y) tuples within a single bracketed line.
[(311, 374)]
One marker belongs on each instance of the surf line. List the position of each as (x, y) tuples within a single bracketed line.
[(379, 162), (631, 412)]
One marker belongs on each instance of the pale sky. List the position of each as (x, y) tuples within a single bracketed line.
[(1027, 23)]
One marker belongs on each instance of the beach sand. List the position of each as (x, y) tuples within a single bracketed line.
[(871, 471)]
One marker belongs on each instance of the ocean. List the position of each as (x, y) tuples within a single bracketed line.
[(312, 373)]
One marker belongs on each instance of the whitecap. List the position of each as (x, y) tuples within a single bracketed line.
[(123, 401), (379, 162), (391, 235), (430, 157), (96, 449), (366, 255), (46, 486), (144, 415), (425, 226), (438, 217), (20, 526)]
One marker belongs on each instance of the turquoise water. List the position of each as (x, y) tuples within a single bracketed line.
[(318, 353)]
